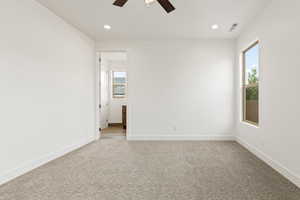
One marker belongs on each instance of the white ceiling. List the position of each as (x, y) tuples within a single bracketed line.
[(114, 56), (191, 19)]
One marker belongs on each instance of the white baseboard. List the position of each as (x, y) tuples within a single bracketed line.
[(294, 178), (26, 167), (181, 138)]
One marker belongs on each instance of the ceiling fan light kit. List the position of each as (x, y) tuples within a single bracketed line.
[(149, 2), (166, 4)]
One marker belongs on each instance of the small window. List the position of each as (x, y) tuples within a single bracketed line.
[(251, 84), (119, 84)]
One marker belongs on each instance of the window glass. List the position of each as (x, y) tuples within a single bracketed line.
[(119, 84), (251, 84)]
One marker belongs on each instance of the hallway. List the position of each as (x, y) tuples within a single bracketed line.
[(113, 131)]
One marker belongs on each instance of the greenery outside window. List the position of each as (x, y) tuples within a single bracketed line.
[(251, 84), (119, 84)]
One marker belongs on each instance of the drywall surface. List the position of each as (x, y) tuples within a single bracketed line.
[(278, 135), (47, 84), (104, 92), (179, 89)]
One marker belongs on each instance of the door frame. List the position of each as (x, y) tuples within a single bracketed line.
[(98, 93)]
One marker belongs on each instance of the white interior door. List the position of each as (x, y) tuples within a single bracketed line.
[(104, 111)]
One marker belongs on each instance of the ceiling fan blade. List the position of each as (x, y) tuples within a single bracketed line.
[(166, 4), (120, 3)]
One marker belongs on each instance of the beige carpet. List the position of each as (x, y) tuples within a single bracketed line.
[(120, 170)]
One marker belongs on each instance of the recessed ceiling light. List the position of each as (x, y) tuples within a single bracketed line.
[(107, 27), (215, 27)]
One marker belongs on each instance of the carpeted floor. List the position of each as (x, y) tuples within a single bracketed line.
[(121, 170)]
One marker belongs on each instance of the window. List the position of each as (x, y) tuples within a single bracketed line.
[(251, 84), (118, 84)]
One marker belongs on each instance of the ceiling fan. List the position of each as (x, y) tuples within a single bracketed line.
[(166, 4)]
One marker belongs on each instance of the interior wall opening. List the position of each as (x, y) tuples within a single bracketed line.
[(113, 95)]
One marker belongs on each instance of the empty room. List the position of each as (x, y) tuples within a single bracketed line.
[(149, 100)]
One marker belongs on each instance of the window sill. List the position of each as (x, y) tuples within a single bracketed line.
[(250, 124)]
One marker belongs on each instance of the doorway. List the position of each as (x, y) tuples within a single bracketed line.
[(113, 95)]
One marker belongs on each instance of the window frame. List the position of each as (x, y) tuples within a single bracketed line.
[(120, 84), (244, 86)]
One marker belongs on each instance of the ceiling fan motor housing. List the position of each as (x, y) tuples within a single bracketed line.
[(166, 4)]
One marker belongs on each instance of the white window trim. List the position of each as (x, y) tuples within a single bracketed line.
[(243, 86)]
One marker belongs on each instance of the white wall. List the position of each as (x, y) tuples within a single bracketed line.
[(104, 111), (179, 89), (277, 140), (47, 87)]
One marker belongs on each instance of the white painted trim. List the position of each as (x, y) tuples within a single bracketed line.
[(28, 166), (129, 104), (181, 138), (97, 97), (293, 177)]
